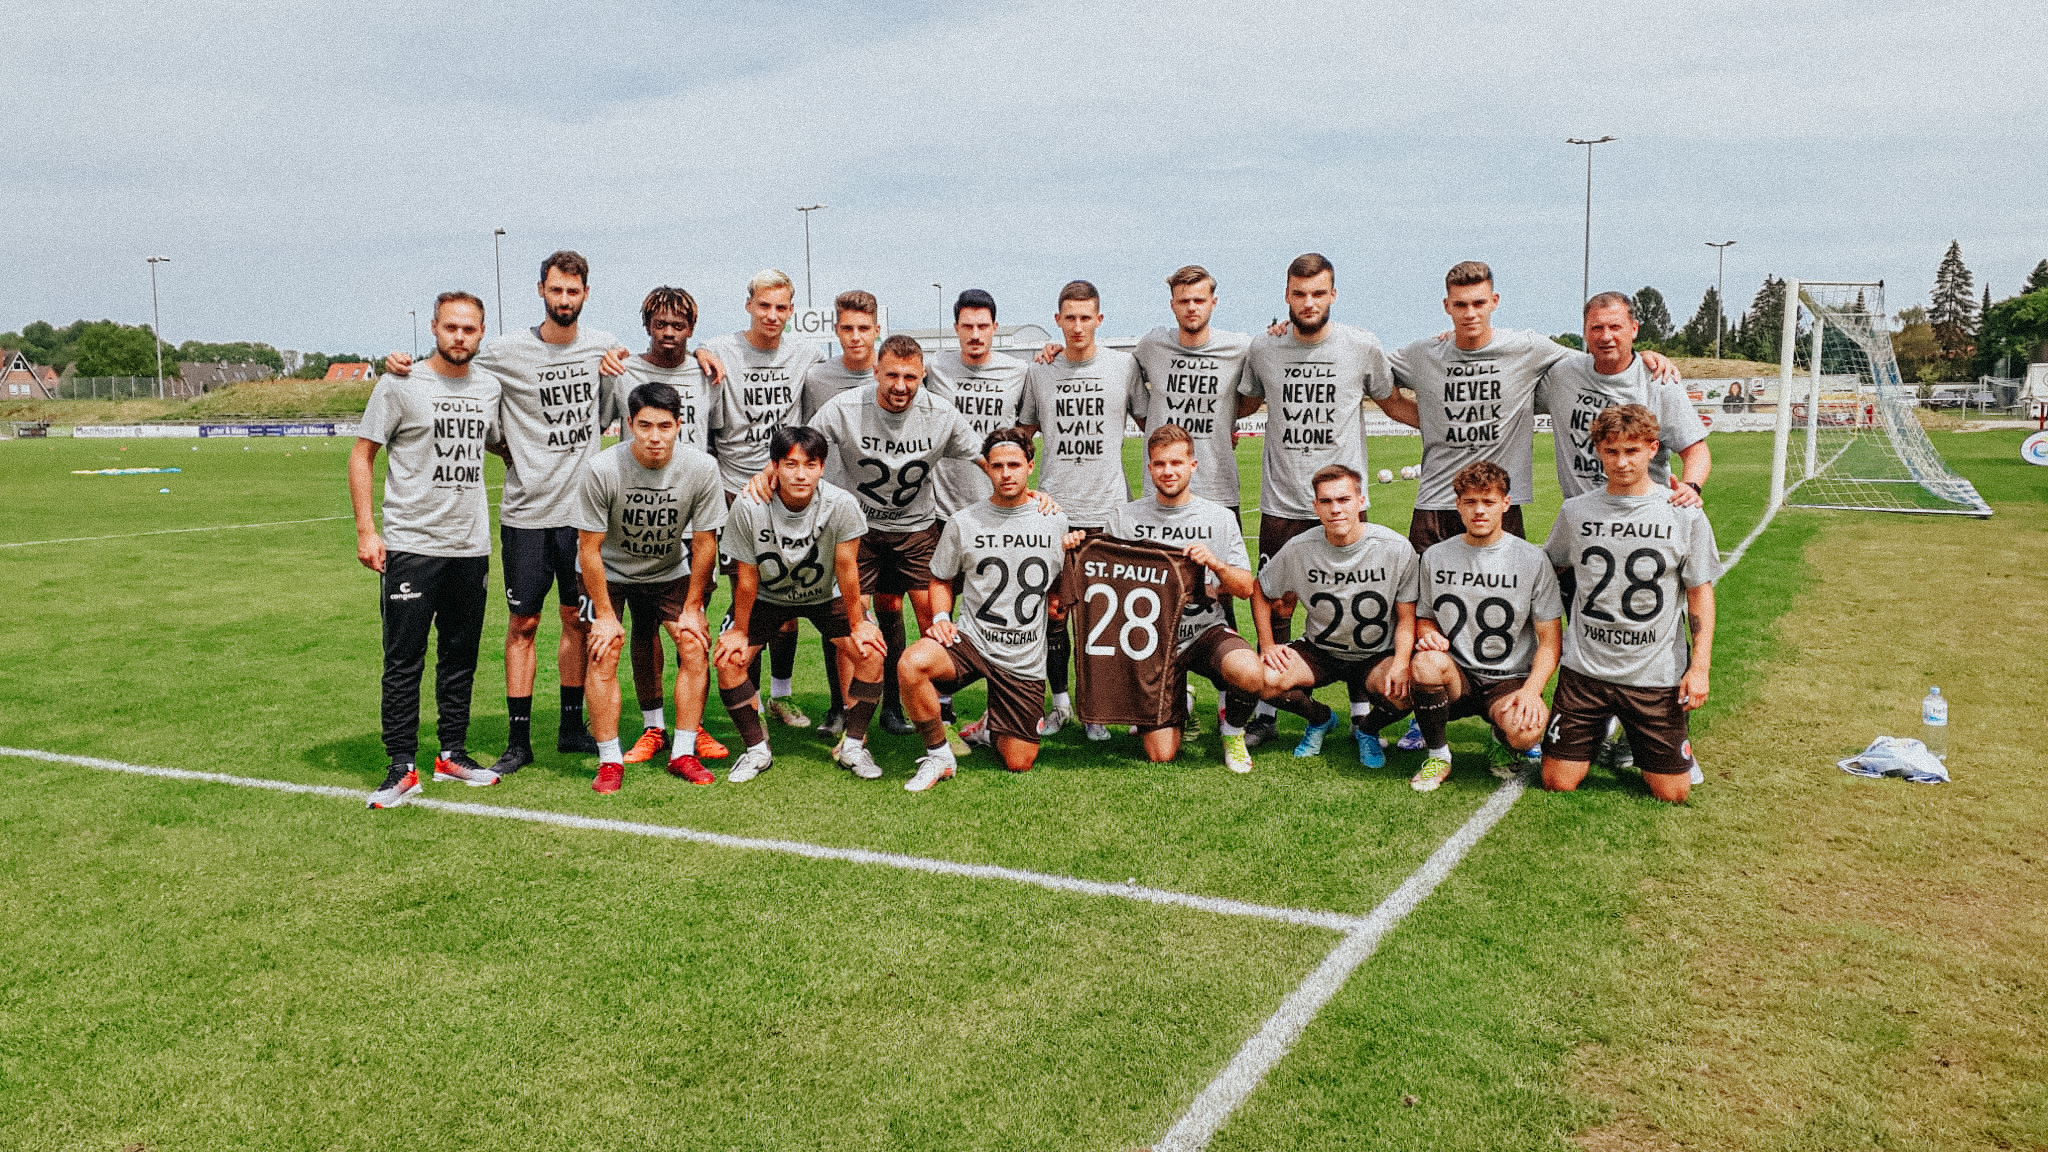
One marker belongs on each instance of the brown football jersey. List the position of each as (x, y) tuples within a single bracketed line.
[(1124, 600)]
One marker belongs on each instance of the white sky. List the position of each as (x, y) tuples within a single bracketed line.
[(314, 171)]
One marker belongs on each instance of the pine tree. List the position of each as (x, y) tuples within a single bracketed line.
[(2038, 280), (1764, 323), (1654, 318), (1954, 306), (1697, 336)]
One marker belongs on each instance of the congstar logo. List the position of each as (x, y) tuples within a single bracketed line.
[(405, 591)]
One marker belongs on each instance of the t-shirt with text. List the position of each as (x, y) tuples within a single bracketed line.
[(433, 429), (1349, 592), (886, 459), (1196, 388), (648, 515), (1007, 561), (1574, 394), (1081, 409), (696, 393), (548, 412), (1632, 558), (987, 395), (759, 395), (1476, 405), (1486, 602), (793, 551), (1198, 521), (1315, 396)]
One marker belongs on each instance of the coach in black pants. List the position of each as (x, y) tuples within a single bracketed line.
[(435, 550)]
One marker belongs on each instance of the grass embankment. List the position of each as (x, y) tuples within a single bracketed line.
[(266, 399)]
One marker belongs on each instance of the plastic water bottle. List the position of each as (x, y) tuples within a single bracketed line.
[(1934, 723)]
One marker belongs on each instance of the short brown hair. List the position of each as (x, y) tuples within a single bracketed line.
[(1011, 435), (1624, 422), (855, 301), (667, 299), (1189, 275), (569, 264), (454, 297), (1610, 300), (1310, 264), (1080, 290), (1167, 434), (901, 346), (1481, 476), (1329, 472), (1467, 272)]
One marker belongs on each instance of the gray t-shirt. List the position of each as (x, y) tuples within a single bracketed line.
[(1350, 592), (987, 395), (433, 430), (1633, 558), (648, 515), (1486, 602), (886, 458), (691, 387), (1198, 521), (1476, 405), (794, 551), (1008, 560), (1574, 394), (759, 395), (1315, 395), (548, 416), (1081, 408), (1197, 389), (824, 380)]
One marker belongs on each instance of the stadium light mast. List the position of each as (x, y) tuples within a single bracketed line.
[(156, 320), (807, 251), (1586, 268), (498, 263), (1720, 301), (415, 314), (941, 289)]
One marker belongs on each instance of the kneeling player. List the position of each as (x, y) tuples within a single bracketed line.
[(1641, 572), (797, 557), (1006, 552), (1359, 581), (647, 540), (1486, 640), (1173, 515)]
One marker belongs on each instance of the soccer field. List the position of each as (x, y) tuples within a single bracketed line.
[(193, 965)]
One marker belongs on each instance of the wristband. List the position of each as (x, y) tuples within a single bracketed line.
[(1697, 490), (945, 616)]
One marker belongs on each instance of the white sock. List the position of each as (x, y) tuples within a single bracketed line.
[(608, 751), (1359, 709), (1444, 752), (945, 700), (777, 686), (653, 718), (943, 752), (686, 742), (1060, 700), (1264, 710), (1229, 729), (445, 754), (854, 740)]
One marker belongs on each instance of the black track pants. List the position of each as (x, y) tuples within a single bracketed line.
[(443, 593)]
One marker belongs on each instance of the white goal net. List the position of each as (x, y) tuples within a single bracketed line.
[(1848, 435)]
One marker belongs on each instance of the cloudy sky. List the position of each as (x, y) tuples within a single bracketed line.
[(316, 170)]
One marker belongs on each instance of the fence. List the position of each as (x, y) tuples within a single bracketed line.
[(121, 388)]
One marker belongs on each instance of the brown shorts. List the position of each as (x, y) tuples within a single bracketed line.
[(1014, 705), (1432, 526), (1276, 531), (1482, 694), (828, 618), (656, 603), (894, 563), (1652, 717), (1332, 668)]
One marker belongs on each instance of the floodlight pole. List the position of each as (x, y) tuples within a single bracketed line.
[(156, 320), (1586, 269), (941, 289), (498, 263), (807, 252), (1720, 298), (414, 313)]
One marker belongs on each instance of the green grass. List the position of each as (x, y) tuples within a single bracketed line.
[(191, 966)]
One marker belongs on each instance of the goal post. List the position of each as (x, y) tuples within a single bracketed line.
[(1861, 445)]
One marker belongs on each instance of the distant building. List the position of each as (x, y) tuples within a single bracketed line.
[(349, 372), (199, 377), (20, 379)]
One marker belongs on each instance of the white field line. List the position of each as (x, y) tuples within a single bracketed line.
[(169, 532), (1248, 1068), (1308, 918)]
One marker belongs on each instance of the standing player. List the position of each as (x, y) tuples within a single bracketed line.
[(435, 552), (670, 317), (761, 395), (1208, 533), (1359, 582), (1486, 637), (1006, 552), (1609, 373), (798, 557), (1642, 576), (1192, 374), (1315, 378), (647, 527), (855, 322), (1081, 400)]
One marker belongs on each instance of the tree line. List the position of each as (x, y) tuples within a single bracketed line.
[(110, 348)]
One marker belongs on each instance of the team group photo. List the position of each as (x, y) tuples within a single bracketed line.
[(1162, 578)]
